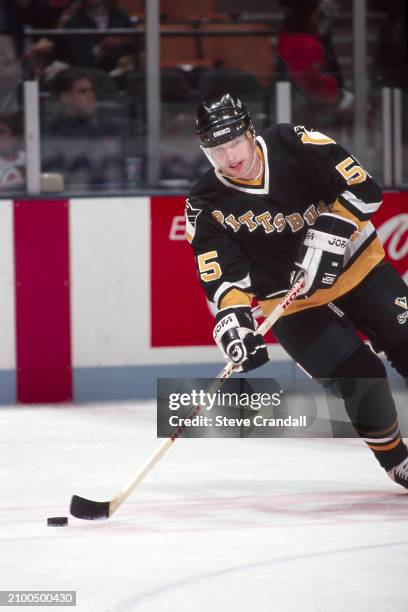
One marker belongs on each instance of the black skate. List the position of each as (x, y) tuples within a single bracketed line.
[(399, 473)]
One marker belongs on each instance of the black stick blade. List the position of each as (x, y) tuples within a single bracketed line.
[(88, 510)]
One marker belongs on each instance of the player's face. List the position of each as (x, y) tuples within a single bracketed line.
[(236, 157)]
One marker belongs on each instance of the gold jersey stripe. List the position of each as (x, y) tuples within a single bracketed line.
[(316, 138), (236, 297), (339, 209)]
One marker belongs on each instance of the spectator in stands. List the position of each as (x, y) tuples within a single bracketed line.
[(100, 51), (12, 158), (80, 140), (307, 57), (11, 51)]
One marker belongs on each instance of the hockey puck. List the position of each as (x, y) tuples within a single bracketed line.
[(57, 521)]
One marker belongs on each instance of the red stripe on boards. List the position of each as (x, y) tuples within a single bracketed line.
[(43, 334), (179, 312)]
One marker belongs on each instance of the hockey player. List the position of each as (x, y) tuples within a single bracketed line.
[(292, 201)]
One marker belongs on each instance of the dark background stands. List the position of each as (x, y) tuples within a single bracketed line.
[(80, 140), (98, 51)]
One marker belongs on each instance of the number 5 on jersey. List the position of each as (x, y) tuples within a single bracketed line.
[(351, 171), (209, 269)]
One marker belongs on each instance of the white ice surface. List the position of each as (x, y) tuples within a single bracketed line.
[(218, 525)]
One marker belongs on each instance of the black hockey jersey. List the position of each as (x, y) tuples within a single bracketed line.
[(246, 234)]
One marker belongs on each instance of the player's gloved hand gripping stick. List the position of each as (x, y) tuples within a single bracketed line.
[(321, 255), (91, 510), (236, 335)]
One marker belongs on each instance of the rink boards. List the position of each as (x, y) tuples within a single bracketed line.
[(99, 296)]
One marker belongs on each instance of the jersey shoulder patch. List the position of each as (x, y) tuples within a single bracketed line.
[(191, 215), (310, 136)]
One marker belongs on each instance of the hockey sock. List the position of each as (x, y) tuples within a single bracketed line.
[(362, 382)]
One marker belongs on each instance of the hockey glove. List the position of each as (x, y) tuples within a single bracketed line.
[(234, 334), (321, 255)]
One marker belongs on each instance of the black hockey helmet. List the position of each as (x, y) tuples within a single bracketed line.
[(222, 120)]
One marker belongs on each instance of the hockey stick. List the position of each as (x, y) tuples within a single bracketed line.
[(92, 510)]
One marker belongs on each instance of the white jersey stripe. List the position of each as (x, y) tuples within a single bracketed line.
[(244, 283), (354, 245), (364, 207)]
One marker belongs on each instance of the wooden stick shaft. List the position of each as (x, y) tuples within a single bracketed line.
[(144, 470), (223, 375)]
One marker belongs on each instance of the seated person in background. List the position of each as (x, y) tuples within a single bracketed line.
[(12, 157), (307, 57), (80, 140), (100, 51)]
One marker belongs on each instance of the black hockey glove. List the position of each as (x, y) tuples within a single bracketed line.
[(321, 255), (234, 334)]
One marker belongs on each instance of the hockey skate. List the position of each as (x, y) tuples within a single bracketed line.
[(399, 473)]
